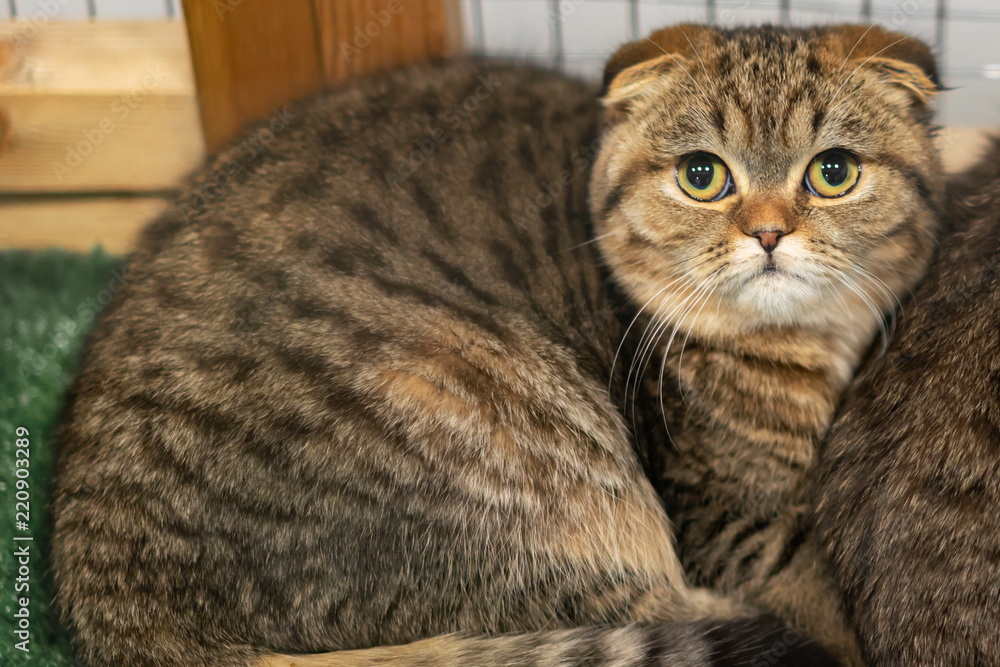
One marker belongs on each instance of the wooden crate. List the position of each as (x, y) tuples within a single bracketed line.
[(90, 112), (99, 121), (96, 107)]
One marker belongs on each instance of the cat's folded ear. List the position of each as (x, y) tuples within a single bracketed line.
[(635, 70), (899, 60)]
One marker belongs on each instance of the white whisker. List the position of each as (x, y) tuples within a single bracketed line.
[(678, 63), (629, 328), (680, 361), (856, 44), (648, 341), (862, 65), (593, 240), (882, 288), (706, 294), (879, 317), (663, 327)]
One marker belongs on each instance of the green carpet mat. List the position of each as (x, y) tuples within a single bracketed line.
[(48, 301)]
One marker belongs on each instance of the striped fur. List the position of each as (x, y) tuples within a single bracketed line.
[(341, 405), (746, 642), (747, 366), (910, 477), (355, 394)]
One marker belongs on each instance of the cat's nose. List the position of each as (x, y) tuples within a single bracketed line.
[(769, 238)]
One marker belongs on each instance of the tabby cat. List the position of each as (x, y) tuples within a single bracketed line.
[(910, 481), (355, 392), (767, 195)]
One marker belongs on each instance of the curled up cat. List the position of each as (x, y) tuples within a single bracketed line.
[(350, 413), (909, 481)]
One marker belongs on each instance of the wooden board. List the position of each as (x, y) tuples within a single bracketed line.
[(85, 107), (75, 56), (77, 223), (363, 36), (251, 56)]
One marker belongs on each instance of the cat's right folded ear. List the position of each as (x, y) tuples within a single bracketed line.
[(635, 70), (900, 61)]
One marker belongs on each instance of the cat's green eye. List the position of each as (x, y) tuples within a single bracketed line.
[(832, 173), (704, 177)]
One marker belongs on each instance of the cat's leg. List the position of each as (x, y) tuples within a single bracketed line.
[(734, 474), (804, 594), (772, 562)]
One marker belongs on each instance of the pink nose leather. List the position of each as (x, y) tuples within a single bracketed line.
[(769, 239)]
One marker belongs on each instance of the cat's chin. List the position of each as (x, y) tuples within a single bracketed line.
[(781, 301), (774, 297)]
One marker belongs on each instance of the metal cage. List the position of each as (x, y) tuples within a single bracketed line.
[(578, 34)]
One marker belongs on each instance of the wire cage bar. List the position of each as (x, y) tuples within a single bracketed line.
[(577, 35)]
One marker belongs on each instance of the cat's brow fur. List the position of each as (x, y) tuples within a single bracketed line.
[(910, 479), (341, 405)]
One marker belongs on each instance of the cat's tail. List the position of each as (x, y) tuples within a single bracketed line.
[(751, 642)]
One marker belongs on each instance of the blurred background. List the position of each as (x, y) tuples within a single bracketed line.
[(105, 105), (102, 113), (580, 33)]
